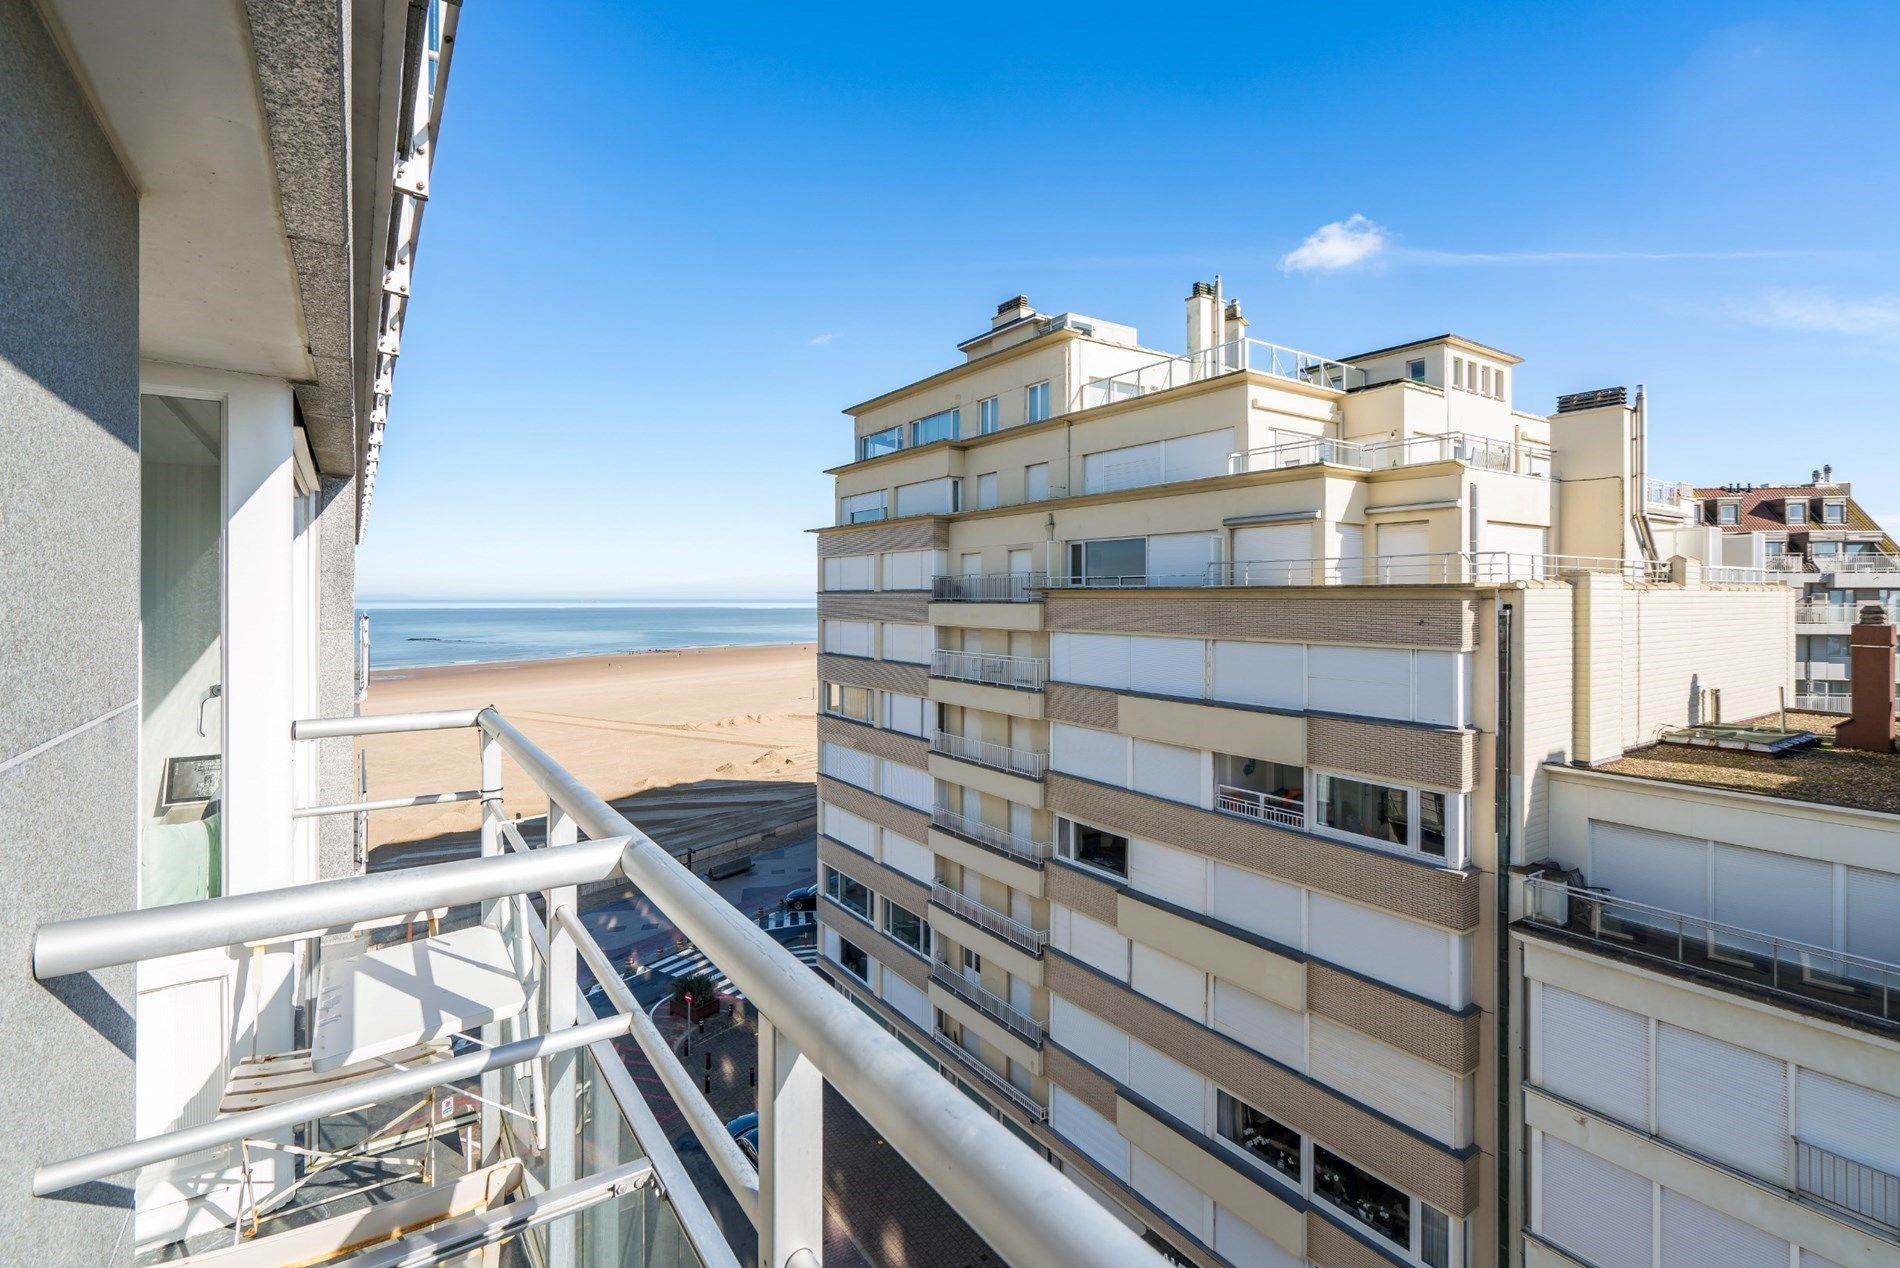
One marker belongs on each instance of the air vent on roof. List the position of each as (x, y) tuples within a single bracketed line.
[(1014, 301), (1592, 400)]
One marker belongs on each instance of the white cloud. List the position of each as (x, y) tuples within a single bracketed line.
[(1875, 318), (819, 341), (1343, 244)]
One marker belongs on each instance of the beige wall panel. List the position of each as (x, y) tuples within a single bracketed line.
[(878, 675), (920, 533), (911, 750), (1084, 706), (996, 783), (879, 810), (1012, 701), (1277, 737), (909, 606), (1078, 891), (1407, 754), (1448, 1041), (1270, 976), (988, 616), (991, 863), (1393, 616)]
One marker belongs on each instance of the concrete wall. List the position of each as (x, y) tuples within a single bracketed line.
[(336, 670), (69, 571)]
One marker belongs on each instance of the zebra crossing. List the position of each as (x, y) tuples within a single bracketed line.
[(692, 960)]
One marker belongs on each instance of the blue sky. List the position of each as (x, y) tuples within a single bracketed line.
[(665, 247)]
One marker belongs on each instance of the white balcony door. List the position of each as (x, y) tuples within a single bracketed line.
[(1273, 554), (1402, 551)]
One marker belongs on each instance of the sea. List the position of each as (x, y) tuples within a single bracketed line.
[(410, 634)]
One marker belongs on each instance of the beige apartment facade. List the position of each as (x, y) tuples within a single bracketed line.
[(1179, 716)]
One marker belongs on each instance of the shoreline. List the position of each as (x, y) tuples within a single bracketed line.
[(410, 673)]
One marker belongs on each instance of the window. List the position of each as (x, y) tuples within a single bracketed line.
[(1036, 397), (850, 894), (1264, 1140), (1429, 823), (938, 426), (989, 417), (1484, 380), (1363, 1196), (1774, 550), (1728, 513), (1834, 512), (1036, 482), (1797, 512), (972, 962), (907, 927), (862, 508), (848, 702), (890, 440), (1109, 562), (1415, 370), (1092, 847), (1497, 384), (855, 962), (1458, 372), (1434, 1237), (986, 490)]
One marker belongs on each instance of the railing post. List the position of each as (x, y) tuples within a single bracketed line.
[(561, 977), (791, 1151), (491, 806)]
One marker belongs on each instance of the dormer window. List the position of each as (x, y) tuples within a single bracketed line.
[(1834, 512), (1796, 512), (1728, 513)]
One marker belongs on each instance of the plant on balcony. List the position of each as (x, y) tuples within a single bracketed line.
[(704, 994)]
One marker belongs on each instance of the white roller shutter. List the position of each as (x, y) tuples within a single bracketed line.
[(1168, 770), (1696, 1236), (1724, 1101), (907, 784), (1649, 867), (907, 643), (1098, 946), (1168, 666), (1179, 1200), (1092, 660), (1261, 1024), (1595, 1054), (1775, 893), (1274, 554), (847, 764), (1180, 559), (927, 497), (1350, 552), (1166, 980), (1811, 1260), (1395, 1083), (1403, 554), (1387, 948), (1197, 457), (848, 638), (1849, 1120), (1097, 1042), (1873, 914), (1169, 1084), (986, 490), (1239, 1242), (907, 570), (1036, 482), (1098, 755), (1088, 1131), (906, 999), (1130, 467), (1171, 875), (904, 713), (1266, 906), (1595, 1209), (859, 834), (1373, 682), (1513, 552), (1271, 674), (848, 572), (1443, 689), (907, 856)]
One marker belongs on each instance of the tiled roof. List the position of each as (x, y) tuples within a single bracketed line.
[(1761, 508)]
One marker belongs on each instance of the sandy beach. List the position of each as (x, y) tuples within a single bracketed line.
[(623, 724)]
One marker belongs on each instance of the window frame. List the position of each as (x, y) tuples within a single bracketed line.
[(1795, 511), (913, 428), (1728, 514), (896, 432), (835, 882), (922, 945), (1066, 846), (1453, 819), (1415, 370), (989, 416), (1079, 552), (845, 948), (1030, 401), (1833, 511)]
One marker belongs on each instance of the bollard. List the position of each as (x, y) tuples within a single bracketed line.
[(752, 1077), (709, 1085)]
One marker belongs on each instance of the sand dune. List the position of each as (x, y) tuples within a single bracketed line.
[(622, 724)]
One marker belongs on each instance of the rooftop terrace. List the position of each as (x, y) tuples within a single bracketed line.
[(1823, 773)]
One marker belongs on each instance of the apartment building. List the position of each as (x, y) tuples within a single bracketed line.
[(1817, 538), (1709, 947), (1181, 717)]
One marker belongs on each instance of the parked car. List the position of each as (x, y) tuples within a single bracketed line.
[(743, 1124), (805, 899), (749, 1144)]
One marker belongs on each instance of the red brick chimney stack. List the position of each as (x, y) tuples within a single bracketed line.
[(1871, 661)]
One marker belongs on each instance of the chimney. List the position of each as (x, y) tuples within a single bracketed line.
[(1014, 308), (1870, 661), (1203, 318), (1827, 472)]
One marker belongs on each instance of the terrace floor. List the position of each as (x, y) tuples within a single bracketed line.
[(1824, 774)]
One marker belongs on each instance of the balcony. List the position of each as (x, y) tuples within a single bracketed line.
[(991, 1005), (1027, 849), (1014, 761), (1667, 494), (1233, 357), (1026, 673), (1847, 1185), (988, 587), (1797, 974), (1844, 614), (991, 1079), (453, 1089), (1485, 567), (1288, 812), (1480, 453), (988, 919)]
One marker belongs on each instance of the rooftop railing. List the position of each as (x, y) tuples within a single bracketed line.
[(1028, 937), (1028, 849), (1026, 672), (990, 1004), (1015, 761), (1232, 357), (1668, 493), (1481, 453), (988, 587), (1485, 567), (1836, 613), (1800, 973), (554, 1068)]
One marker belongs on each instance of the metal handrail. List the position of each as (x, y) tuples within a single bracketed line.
[(991, 1005), (1259, 805), (1847, 1184), (1516, 457), (1835, 613), (988, 587), (1027, 672), (1015, 761), (996, 1082), (1233, 357), (1484, 567), (1026, 848), (983, 916), (1727, 948)]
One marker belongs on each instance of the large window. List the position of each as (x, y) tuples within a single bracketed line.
[(907, 927), (938, 426), (989, 418), (848, 702), (1036, 398), (1265, 1140), (1406, 819), (1366, 1198), (1110, 561), (1415, 371), (852, 956), (890, 440), (1092, 846), (848, 893)]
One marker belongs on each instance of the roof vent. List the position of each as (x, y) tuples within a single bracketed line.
[(1202, 289), (1014, 301), (1594, 399)]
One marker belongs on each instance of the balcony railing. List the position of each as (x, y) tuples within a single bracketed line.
[(1857, 563), (1028, 937), (1228, 358), (991, 1005), (1829, 702), (1835, 613), (1848, 1185), (543, 1077), (1285, 811), (990, 1078), (1485, 567), (1025, 848), (1026, 672), (1801, 973), (1729, 574), (1668, 493), (1483, 453), (1016, 761), (988, 587)]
